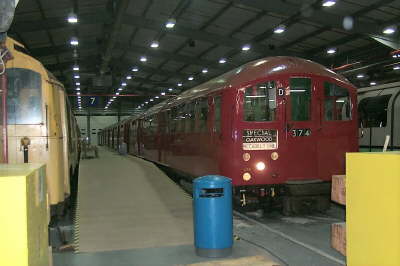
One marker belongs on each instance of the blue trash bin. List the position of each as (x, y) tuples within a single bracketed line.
[(212, 216)]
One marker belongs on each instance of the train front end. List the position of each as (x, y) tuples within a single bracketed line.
[(293, 127)]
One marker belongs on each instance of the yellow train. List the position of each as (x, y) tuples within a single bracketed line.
[(40, 125)]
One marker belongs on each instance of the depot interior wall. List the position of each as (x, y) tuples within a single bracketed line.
[(96, 124)]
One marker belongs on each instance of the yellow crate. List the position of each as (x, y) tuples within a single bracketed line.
[(373, 209), (23, 215)]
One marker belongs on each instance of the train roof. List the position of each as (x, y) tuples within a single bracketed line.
[(254, 70)]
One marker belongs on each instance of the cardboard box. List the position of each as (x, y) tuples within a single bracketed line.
[(338, 193), (338, 237)]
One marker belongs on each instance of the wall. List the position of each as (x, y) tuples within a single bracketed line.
[(96, 123)]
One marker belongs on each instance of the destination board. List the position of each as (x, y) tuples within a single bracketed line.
[(260, 139)]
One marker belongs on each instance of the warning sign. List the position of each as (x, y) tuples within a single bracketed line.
[(260, 139)]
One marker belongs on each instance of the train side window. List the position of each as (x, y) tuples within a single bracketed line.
[(373, 111), (190, 117), (300, 99), (260, 102), (337, 104), (217, 114), (202, 113)]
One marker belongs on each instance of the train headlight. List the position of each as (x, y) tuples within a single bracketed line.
[(260, 166), (246, 176), (246, 157)]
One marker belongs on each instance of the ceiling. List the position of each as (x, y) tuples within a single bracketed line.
[(113, 35)]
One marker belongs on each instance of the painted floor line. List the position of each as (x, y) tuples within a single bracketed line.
[(291, 239)]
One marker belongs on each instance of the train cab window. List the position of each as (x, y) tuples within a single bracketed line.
[(24, 98), (202, 113), (260, 102), (337, 104), (373, 111), (217, 114), (300, 99)]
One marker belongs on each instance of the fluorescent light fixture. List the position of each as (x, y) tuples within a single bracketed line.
[(120, 89), (191, 78), (79, 97), (204, 71), (143, 59), (162, 93), (280, 29), (74, 41), (75, 68), (360, 76), (297, 90), (170, 89), (246, 47), (222, 61), (111, 100), (157, 97), (106, 107), (179, 84), (78, 89), (128, 77), (123, 84), (78, 93), (117, 93), (154, 44), (389, 30), (151, 100), (146, 102), (72, 18), (76, 76), (372, 83), (396, 67), (331, 50), (135, 69), (328, 3), (114, 97), (77, 83), (170, 23)]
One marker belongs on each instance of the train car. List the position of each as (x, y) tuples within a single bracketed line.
[(279, 127), (40, 125), (379, 117)]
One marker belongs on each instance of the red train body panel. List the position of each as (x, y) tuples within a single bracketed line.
[(268, 122)]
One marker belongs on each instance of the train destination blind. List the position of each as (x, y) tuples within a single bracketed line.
[(260, 139)]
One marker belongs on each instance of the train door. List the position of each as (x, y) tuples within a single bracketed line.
[(338, 133), (301, 128)]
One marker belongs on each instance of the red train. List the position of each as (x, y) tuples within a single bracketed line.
[(279, 127)]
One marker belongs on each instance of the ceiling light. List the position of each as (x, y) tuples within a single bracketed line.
[(389, 30), (372, 83), (222, 61), (135, 69), (179, 84), (162, 93), (123, 84), (151, 100), (154, 44), (396, 67), (128, 77), (117, 93), (280, 29), (106, 107), (395, 56), (79, 97), (78, 89), (191, 78), (75, 68), (114, 97), (111, 100), (77, 83), (328, 3), (360, 76), (331, 51), (146, 102), (78, 93), (246, 47), (74, 41), (120, 89), (204, 71), (80, 107), (76, 76), (170, 89), (157, 97), (170, 23), (143, 59), (72, 18)]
